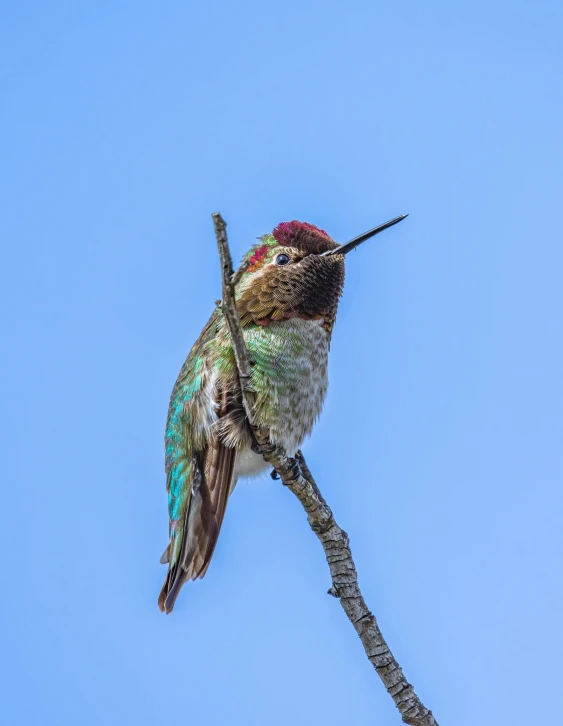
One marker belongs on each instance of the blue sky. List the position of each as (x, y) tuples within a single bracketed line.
[(124, 125)]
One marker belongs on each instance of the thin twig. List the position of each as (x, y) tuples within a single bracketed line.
[(229, 306), (295, 474)]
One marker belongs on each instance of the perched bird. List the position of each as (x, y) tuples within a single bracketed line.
[(287, 297)]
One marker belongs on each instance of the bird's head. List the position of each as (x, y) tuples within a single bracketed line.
[(297, 271)]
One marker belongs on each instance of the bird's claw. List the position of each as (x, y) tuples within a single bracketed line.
[(295, 472)]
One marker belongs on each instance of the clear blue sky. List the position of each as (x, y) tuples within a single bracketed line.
[(124, 125)]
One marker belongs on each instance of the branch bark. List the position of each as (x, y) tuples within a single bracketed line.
[(295, 474)]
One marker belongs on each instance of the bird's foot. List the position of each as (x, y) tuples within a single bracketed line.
[(295, 471)]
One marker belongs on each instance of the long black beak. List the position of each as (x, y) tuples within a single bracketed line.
[(345, 248)]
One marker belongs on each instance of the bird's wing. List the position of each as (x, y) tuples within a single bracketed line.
[(212, 477), (199, 470)]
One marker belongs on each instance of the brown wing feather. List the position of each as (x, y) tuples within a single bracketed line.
[(221, 468), (212, 484)]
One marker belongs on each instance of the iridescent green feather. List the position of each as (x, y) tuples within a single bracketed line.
[(179, 440)]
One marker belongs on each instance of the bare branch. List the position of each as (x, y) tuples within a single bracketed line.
[(295, 474), (229, 306)]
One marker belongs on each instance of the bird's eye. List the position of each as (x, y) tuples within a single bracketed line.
[(283, 259)]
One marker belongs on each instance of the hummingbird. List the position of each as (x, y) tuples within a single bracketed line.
[(287, 294)]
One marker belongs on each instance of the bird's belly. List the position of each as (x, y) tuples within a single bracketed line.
[(249, 464)]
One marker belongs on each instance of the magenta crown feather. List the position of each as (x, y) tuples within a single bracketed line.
[(301, 235)]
